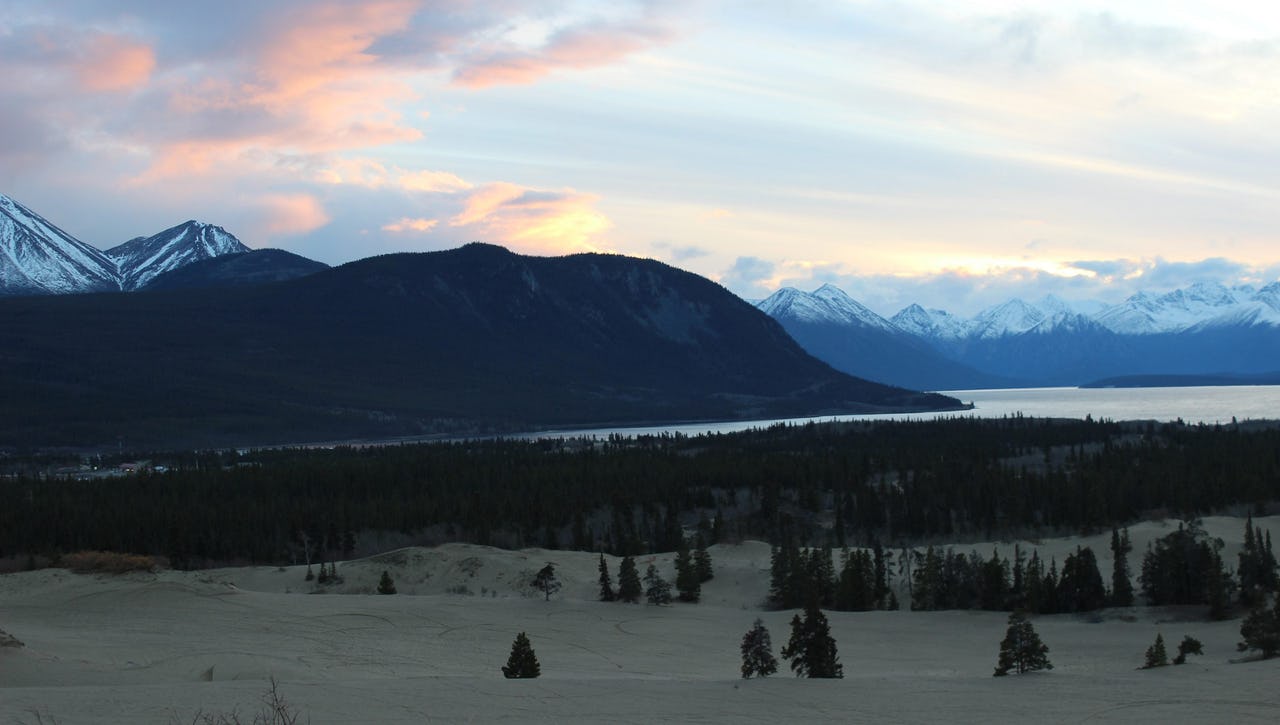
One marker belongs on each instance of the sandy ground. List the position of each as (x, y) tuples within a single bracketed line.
[(144, 648)]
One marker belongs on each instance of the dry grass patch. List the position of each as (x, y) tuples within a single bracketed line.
[(109, 562)]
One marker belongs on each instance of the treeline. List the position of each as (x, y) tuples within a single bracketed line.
[(833, 484), (1184, 567)]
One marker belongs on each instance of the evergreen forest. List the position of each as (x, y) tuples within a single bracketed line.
[(881, 483)]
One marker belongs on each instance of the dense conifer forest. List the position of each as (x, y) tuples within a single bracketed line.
[(882, 483)]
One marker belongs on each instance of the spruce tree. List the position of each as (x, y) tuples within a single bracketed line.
[(1121, 585), (1189, 646), (811, 649), (522, 663), (606, 583), (657, 590), (1021, 649), (1156, 656), (687, 582), (1260, 630), (546, 581), (385, 584), (628, 581), (757, 652)]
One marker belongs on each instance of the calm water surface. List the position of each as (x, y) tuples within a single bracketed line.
[(1193, 405)]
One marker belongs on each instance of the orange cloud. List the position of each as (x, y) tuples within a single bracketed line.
[(115, 63), (407, 224), (540, 221)]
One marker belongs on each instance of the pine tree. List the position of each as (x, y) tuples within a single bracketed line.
[(1189, 646), (546, 581), (811, 649), (522, 663), (757, 652), (687, 583), (1260, 630), (385, 585), (1156, 656), (1121, 585), (628, 581), (657, 590), (1021, 649), (606, 584)]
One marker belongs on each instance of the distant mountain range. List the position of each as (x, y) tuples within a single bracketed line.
[(471, 340), (1206, 329), (37, 258)]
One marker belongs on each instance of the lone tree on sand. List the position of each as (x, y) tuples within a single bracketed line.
[(1261, 630), (811, 649), (523, 662), (606, 582), (757, 652), (1189, 646), (1022, 649), (385, 585), (546, 581), (1156, 656)]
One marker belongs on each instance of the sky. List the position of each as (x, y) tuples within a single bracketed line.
[(951, 154)]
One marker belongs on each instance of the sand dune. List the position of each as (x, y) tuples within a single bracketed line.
[(159, 647)]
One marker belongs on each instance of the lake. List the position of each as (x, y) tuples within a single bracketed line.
[(1209, 404)]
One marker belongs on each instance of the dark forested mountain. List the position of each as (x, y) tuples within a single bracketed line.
[(471, 339), (229, 270)]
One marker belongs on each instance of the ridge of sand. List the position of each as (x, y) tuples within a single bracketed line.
[(158, 647)]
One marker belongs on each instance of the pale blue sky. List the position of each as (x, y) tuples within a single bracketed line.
[(948, 153)]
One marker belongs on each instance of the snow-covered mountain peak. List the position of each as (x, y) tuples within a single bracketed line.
[(827, 304), (37, 257), (929, 323), (142, 259), (1008, 318)]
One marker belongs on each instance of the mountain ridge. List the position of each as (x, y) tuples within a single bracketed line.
[(467, 341), (39, 258)]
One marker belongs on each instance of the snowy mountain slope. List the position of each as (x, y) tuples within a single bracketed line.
[(1009, 318), (848, 336), (1203, 328), (827, 304), (144, 258), (930, 323), (37, 257)]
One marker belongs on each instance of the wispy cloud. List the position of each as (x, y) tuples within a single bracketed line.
[(406, 224)]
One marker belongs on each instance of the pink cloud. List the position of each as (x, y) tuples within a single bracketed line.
[(576, 48), (115, 63), (282, 215)]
